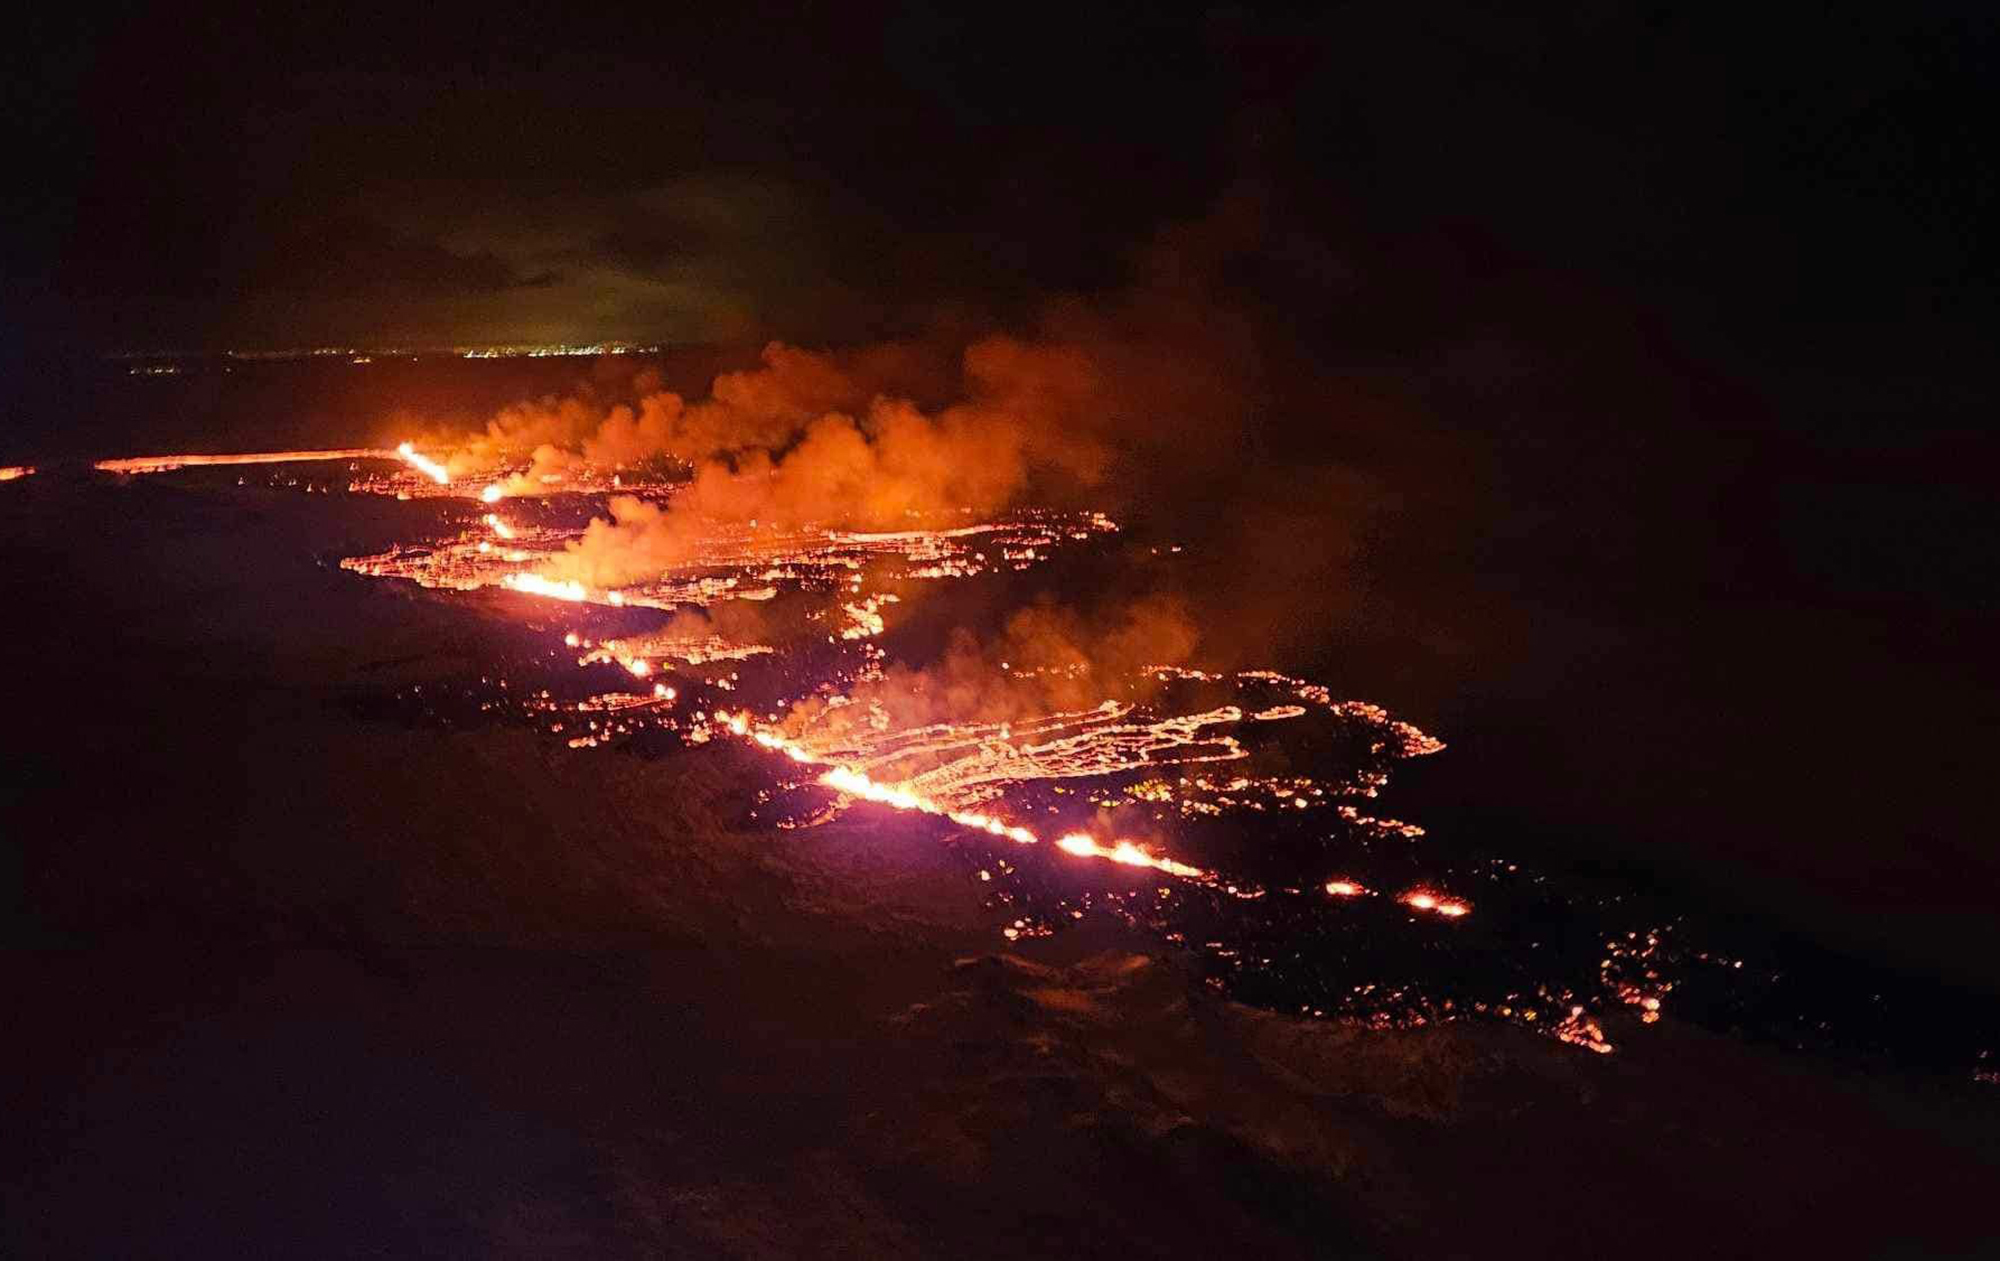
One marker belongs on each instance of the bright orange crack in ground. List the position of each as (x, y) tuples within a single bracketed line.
[(857, 784), (168, 463)]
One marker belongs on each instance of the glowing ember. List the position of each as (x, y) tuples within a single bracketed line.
[(667, 646), (13, 472), (1578, 1029)]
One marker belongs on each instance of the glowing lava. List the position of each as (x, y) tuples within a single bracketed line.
[(423, 464), (168, 463), (739, 561), (535, 584), (857, 784), (1420, 900), (1128, 853)]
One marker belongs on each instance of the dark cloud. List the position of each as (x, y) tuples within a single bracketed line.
[(348, 255), (650, 248), (800, 173)]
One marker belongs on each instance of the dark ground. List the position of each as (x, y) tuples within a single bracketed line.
[(285, 980)]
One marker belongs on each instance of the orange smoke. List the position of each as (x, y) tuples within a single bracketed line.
[(1048, 658), (609, 428), (1029, 409)]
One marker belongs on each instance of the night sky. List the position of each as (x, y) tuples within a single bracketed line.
[(1802, 179)]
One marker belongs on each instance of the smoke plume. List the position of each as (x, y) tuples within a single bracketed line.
[(1140, 403), (762, 450), (1047, 658), (615, 421)]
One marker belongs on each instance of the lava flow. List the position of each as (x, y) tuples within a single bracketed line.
[(428, 467), (1195, 779), (168, 463), (1186, 754), (856, 784), (947, 768), (1225, 813)]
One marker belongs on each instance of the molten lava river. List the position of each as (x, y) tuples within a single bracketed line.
[(1231, 815)]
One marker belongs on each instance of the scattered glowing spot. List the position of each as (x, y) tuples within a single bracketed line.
[(1451, 908)]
